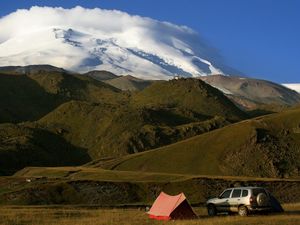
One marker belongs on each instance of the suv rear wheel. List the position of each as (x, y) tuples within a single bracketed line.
[(262, 199), (243, 211), (211, 210)]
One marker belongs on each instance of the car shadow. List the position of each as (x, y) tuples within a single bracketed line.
[(292, 212)]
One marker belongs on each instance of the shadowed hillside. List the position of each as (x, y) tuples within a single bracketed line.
[(22, 98), (30, 96), (22, 145)]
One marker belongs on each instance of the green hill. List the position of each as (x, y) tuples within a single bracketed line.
[(30, 96), (267, 146), (188, 97), (110, 130)]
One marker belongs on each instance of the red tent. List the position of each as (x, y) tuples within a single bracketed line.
[(167, 207)]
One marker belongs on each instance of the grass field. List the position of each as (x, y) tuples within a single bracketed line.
[(76, 215)]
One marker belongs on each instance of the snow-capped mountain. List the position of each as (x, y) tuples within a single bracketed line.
[(82, 39), (295, 87)]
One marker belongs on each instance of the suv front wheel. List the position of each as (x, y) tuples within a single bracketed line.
[(243, 211), (211, 210)]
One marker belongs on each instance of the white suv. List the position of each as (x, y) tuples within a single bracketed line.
[(240, 199)]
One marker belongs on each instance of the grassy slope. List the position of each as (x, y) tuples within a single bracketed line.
[(188, 97), (267, 146), (110, 131), (31, 96)]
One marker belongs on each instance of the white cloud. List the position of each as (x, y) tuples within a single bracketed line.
[(104, 39)]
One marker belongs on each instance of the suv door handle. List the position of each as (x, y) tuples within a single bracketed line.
[(239, 199)]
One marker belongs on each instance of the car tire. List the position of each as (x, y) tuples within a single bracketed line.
[(211, 210), (243, 211), (262, 199)]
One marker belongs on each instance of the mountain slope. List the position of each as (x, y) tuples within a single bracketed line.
[(267, 146), (101, 75), (251, 93), (134, 45), (32, 95)]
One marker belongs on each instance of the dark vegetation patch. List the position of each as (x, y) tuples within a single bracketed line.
[(116, 193)]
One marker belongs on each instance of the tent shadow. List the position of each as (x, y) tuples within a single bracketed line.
[(217, 216)]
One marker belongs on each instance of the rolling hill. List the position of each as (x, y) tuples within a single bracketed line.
[(267, 146), (99, 122), (113, 130), (79, 112)]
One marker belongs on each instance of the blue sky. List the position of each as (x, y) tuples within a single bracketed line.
[(261, 38)]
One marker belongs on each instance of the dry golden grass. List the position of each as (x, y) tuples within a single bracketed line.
[(81, 216)]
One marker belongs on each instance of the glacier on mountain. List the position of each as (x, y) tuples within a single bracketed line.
[(80, 39)]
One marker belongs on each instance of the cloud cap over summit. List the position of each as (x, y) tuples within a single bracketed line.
[(83, 39)]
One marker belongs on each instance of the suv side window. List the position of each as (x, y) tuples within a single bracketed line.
[(226, 194), (245, 193), (236, 193)]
